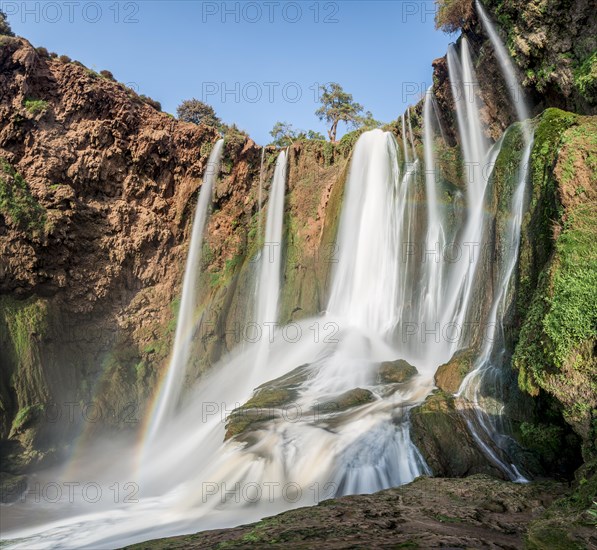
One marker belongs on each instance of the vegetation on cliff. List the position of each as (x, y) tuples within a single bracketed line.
[(558, 298)]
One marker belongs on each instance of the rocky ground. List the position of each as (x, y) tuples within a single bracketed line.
[(475, 512)]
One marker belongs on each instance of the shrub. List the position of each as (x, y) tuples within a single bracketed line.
[(64, 59), (17, 204), (452, 15), (42, 51), (4, 26), (35, 106), (198, 112), (151, 102), (585, 78), (108, 75)]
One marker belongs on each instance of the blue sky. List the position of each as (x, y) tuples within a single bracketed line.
[(255, 62)]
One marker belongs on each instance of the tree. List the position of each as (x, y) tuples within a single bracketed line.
[(284, 134), (4, 25), (337, 105), (367, 121), (312, 134), (453, 15), (197, 112)]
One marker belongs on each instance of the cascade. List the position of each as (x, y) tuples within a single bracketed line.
[(193, 479), (270, 264), (185, 323)]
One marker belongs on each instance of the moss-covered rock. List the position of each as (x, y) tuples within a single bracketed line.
[(396, 372), (347, 400), (440, 432), (558, 302), (450, 375)]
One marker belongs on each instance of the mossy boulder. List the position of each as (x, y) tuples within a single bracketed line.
[(440, 432), (396, 372), (450, 375), (348, 400), (265, 403)]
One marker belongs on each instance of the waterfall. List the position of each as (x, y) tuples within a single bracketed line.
[(435, 239), (514, 89), (270, 265), (486, 427), (260, 198), (489, 364), (478, 162), (185, 323), (198, 477), (366, 281)]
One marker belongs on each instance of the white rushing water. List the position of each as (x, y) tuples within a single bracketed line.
[(335, 426), (185, 324), (270, 265), (486, 426)]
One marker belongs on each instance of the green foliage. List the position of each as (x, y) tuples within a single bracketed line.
[(338, 106), (4, 25), (283, 134), (198, 112), (572, 315), (26, 416), (17, 204), (25, 320), (546, 439), (35, 106), (558, 271), (452, 15), (318, 136), (64, 59), (585, 78)]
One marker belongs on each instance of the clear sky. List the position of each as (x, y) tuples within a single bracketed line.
[(255, 62)]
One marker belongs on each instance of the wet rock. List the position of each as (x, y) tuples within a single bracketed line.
[(450, 375), (440, 432), (476, 512), (348, 400), (396, 372)]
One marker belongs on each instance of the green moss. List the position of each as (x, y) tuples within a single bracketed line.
[(542, 438), (35, 106), (269, 397), (17, 204), (25, 321), (585, 78), (544, 207), (572, 314), (557, 301), (26, 416)]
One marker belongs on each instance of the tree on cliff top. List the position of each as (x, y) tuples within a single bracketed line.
[(4, 26), (452, 15), (338, 105), (197, 112), (284, 134)]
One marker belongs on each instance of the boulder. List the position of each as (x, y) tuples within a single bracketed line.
[(450, 375), (441, 434), (396, 372)]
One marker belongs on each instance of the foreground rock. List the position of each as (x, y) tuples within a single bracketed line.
[(440, 432), (396, 372), (450, 375), (476, 512)]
